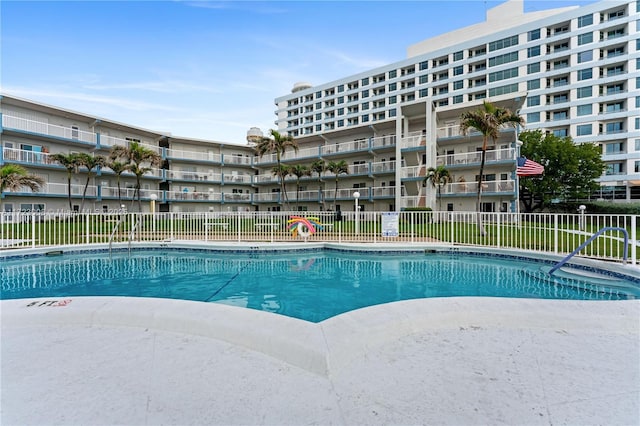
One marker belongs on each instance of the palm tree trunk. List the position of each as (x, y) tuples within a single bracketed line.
[(69, 192), (479, 196), (335, 195)]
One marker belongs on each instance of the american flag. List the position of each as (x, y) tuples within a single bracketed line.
[(528, 168)]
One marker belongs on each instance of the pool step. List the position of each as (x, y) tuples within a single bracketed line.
[(585, 280)]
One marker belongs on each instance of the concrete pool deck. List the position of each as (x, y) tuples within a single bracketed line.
[(457, 361)]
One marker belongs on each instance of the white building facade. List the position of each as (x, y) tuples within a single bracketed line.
[(577, 68)]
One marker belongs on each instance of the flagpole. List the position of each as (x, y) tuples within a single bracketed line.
[(518, 145)]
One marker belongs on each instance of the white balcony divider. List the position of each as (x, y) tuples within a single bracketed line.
[(550, 233)]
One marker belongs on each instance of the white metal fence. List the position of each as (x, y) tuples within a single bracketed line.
[(550, 233)]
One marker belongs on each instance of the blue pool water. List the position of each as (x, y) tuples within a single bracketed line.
[(311, 285)]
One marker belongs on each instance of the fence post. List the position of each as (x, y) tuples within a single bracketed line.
[(498, 225), (87, 229), (33, 229), (555, 233), (633, 239), (171, 225), (452, 224)]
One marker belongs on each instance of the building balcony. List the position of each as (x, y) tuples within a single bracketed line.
[(200, 156), (31, 127), (474, 158), (471, 188)]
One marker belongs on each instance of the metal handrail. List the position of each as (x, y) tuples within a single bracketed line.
[(586, 243), (113, 233), (133, 231)]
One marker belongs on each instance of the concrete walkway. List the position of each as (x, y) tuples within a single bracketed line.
[(456, 361)]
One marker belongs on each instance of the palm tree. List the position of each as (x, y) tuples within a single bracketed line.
[(71, 163), (488, 120), (91, 162), (139, 161), (319, 167), (299, 171), (118, 168), (438, 176), (337, 168), (281, 172), (276, 144), (13, 177)]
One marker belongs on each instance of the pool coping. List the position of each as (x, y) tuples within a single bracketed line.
[(326, 347)]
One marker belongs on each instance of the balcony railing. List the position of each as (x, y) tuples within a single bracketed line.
[(495, 186), (474, 158), (42, 128), (193, 176), (193, 196), (181, 154)]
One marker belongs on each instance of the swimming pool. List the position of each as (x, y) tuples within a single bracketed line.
[(312, 285)]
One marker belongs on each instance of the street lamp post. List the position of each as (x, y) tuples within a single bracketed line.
[(356, 195)]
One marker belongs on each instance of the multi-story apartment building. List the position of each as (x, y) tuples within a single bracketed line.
[(194, 176), (577, 67), (571, 71)]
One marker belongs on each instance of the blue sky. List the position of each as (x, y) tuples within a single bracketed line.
[(207, 69)]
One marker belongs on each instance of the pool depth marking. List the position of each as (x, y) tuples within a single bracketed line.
[(49, 303)]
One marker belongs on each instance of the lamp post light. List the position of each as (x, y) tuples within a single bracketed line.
[(153, 197), (582, 208), (356, 195)]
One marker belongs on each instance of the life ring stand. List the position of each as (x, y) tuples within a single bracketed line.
[(303, 231)]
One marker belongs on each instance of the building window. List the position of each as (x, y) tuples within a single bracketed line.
[(503, 75), (504, 43), (392, 112), (636, 167), (533, 84), (393, 86), (584, 110), (561, 133), (585, 38), (365, 93), (533, 68), (638, 99), (503, 89), (393, 73), (615, 169), (341, 88), (637, 123), (616, 127), (424, 93), (533, 117), (340, 123), (585, 74), (423, 79), (533, 35), (533, 51), (614, 148), (583, 21), (458, 99), (424, 65), (458, 70), (584, 92), (533, 101), (585, 56), (503, 59), (457, 56), (365, 81), (584, 129), (460, 84)]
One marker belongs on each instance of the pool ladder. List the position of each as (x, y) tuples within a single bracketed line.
[(589, 241), (131, 233)]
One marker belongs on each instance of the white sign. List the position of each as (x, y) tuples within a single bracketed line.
[(390, 223)]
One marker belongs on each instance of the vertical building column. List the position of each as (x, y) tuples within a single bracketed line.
[(431, 147), (400, 130)]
